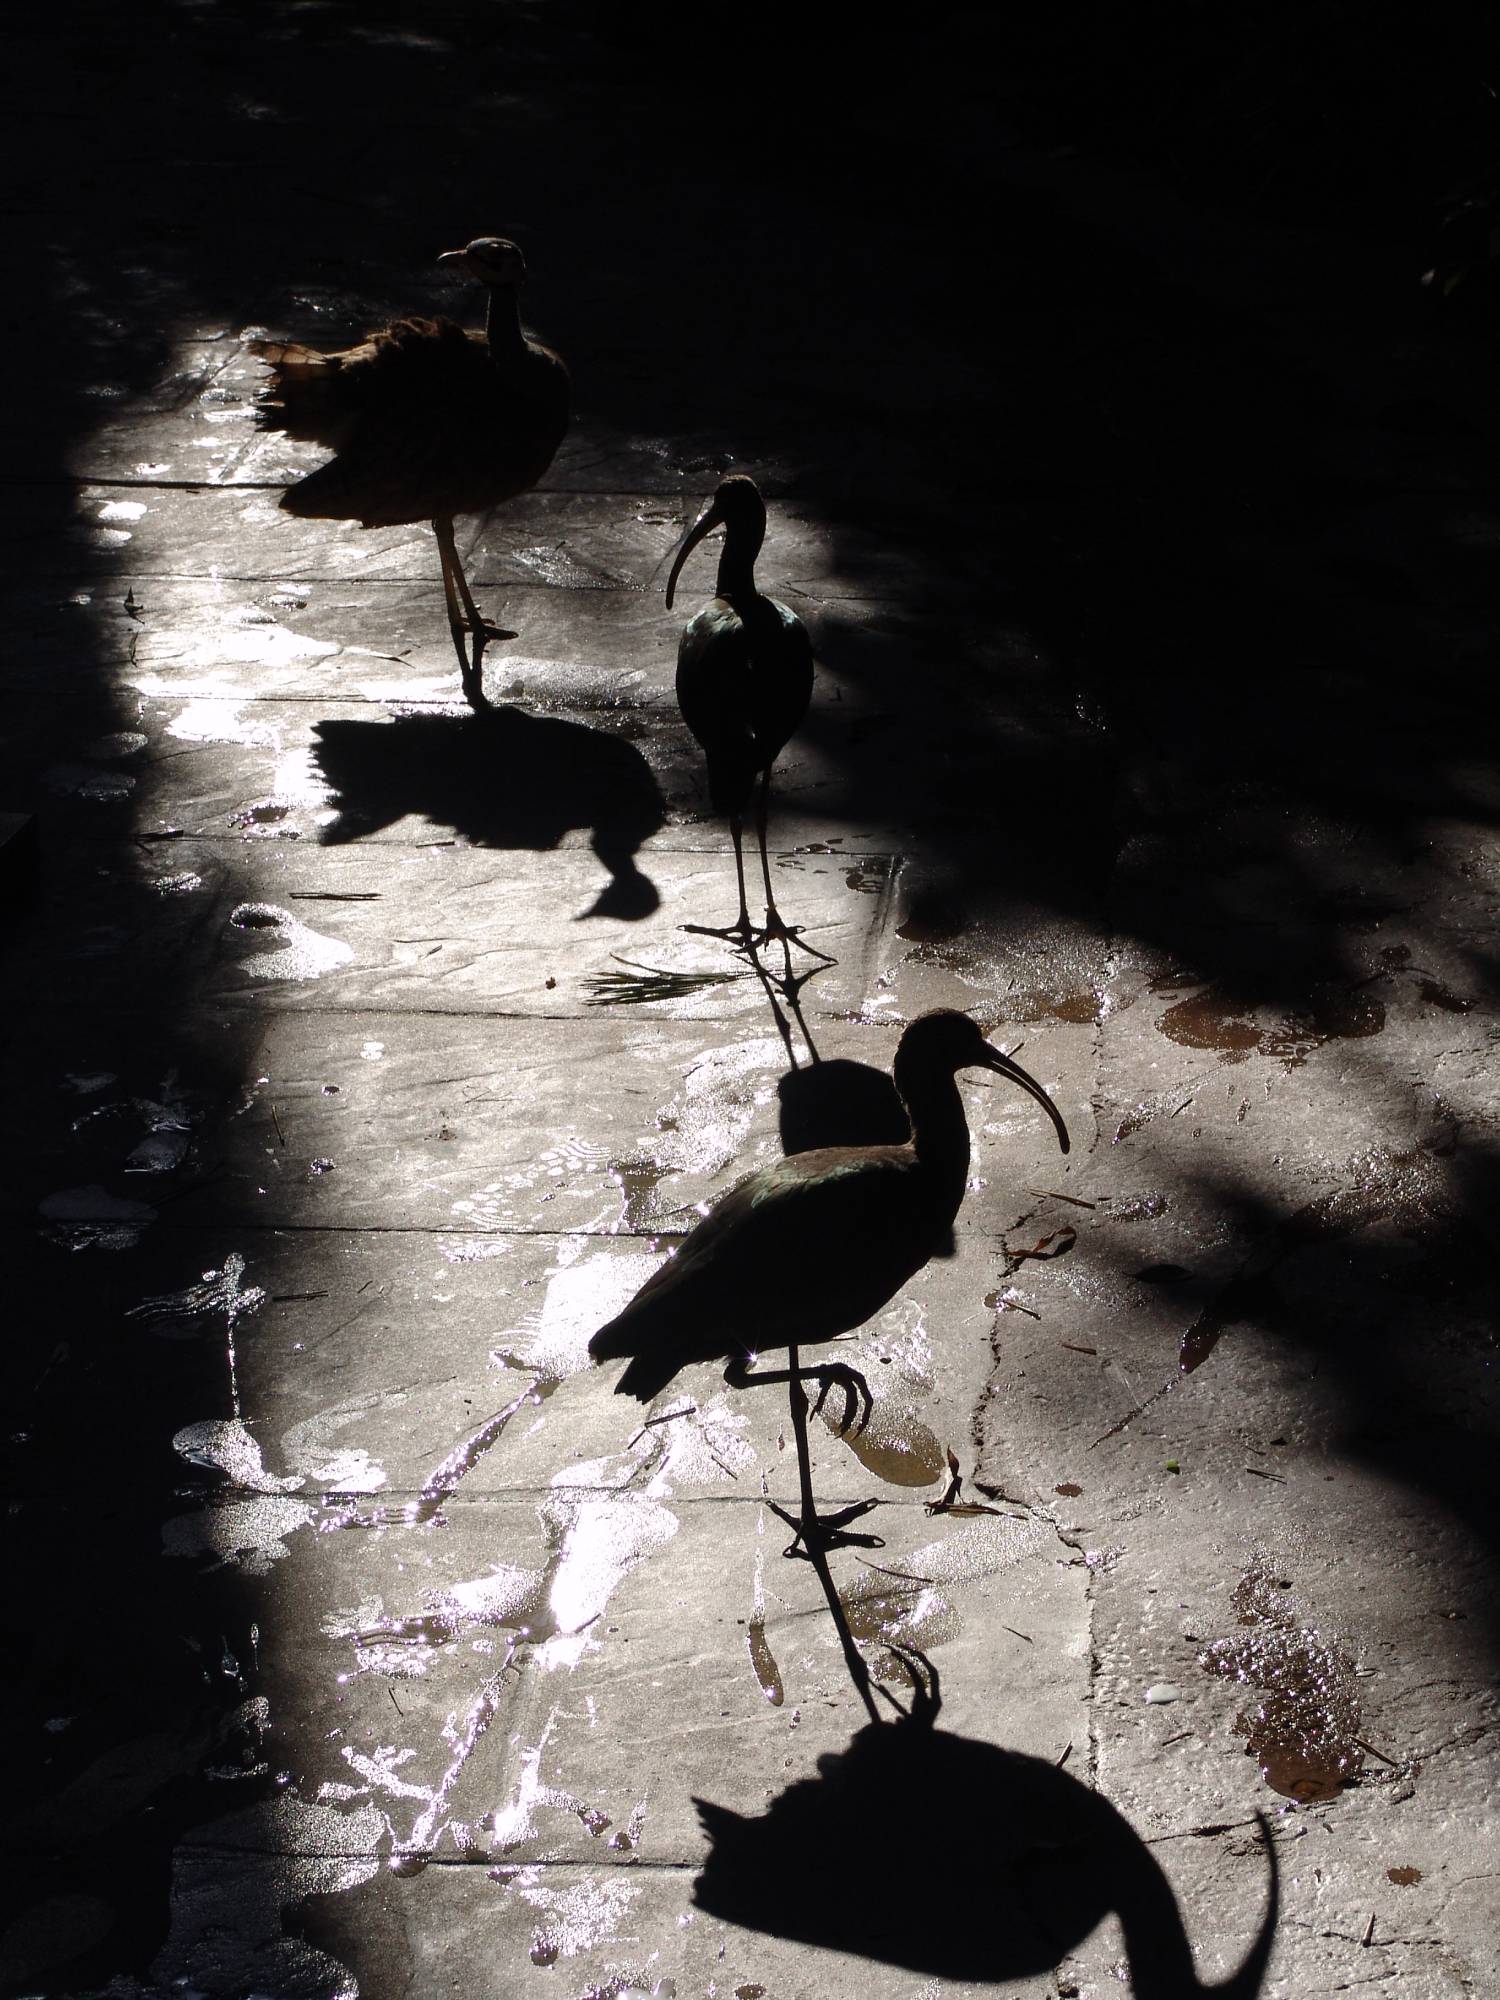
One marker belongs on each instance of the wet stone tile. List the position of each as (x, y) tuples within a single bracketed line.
[(456, 1123), (519, 1678), (404, 1368), (460, 930)]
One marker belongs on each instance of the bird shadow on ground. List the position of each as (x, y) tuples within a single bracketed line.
[(503, 778), (1006, 1863)]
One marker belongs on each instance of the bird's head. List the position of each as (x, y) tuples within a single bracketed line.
[(493, 260), (737, 508), (945, 1041)]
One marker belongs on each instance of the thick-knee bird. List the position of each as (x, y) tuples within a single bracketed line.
[(744, 679), (426, 421), (813, 1246)]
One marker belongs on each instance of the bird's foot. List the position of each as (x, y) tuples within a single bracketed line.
[(485, 631), (822, 1533), (854, 1388), (790, 934)]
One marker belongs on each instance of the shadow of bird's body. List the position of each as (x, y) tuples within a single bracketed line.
[(816, 1244), (426, 421), (504, 779), (1006, 1864)]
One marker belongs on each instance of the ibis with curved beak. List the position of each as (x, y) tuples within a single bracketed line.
[(426, 421), (815, 1245), (744, 679)]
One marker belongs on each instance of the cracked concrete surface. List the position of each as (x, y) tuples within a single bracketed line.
[(363, 1640)]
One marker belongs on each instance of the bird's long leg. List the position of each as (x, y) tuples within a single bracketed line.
[(741, 932), (479, 625), (790, 934), (456, 589), (469, 674)]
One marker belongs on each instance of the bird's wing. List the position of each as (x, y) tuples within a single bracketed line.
[(420, 423), (800, 1251), (744, 677)]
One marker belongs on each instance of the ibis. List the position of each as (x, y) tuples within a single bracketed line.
[(814, 1245), (744, 679)]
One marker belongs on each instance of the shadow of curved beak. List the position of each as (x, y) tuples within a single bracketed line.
[(1003, 1065), (705, 524)]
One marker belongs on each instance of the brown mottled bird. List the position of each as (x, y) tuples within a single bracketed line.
[(426, 421), (815, 1245)]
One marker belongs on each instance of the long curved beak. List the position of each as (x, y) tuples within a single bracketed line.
[(1003, 1066), (706, 522), (454, 257)]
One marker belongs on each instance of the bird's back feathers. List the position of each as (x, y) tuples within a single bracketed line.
[(800, 1251), (423, 422)]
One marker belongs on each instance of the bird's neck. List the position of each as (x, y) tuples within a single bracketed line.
[(737, 564), (502, 325), (939, 1132)]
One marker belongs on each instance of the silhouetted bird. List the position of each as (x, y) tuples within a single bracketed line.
[(426, 421), (813, 1246), (744, 679)]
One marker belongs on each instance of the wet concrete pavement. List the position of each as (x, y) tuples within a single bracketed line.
[(359, 1638)]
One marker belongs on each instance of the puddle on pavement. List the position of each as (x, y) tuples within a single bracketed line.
[(763, 1663), (762, 1659), (249, 1535), (573, 1169), (910, 1601), (302, 953), (867, 878), (461, 1461), (227, 1446), (1067, 981), (87, 781), (895, 1444), (1215, 1019), (91, 1218), (309, 1447), (557, 565), (1135, 1208), (1304, 1730), (888, 1611), (585, 1289), (638, 1181), (217, 1293)]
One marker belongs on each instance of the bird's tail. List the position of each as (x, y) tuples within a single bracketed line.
[(300, 398), (647, 1375)]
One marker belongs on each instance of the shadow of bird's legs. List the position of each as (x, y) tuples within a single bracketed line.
[(779, 988), (789, 934), (817, 1537)]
